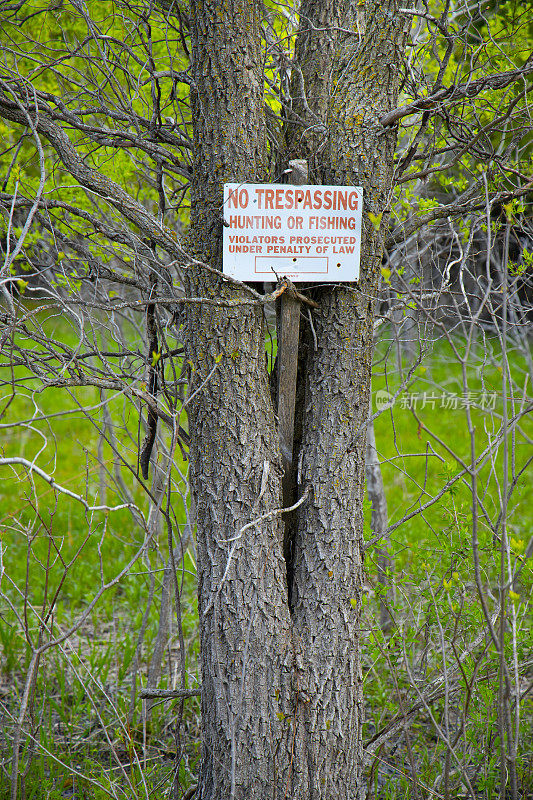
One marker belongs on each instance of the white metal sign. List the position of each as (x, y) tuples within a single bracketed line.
[(310, 234)]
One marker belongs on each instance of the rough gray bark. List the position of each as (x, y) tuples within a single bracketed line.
[(318, 34), (328, 561), (281, 686), (246, 644)]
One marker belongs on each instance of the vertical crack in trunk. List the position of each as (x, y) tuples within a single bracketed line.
[(289, 363)]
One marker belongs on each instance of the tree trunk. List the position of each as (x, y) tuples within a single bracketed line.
[(281, 685), (245, 638), (328, 561), (379, 523)]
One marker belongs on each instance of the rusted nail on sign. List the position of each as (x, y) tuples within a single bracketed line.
[(309, 234)]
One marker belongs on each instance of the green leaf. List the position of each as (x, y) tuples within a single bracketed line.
[(386, 273), (518, 545), (375, 219)]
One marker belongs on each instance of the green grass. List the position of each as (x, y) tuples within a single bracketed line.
[(56, 554), (434, 572), (413, 480)]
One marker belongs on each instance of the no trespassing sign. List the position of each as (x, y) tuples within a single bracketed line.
[(310, 234)]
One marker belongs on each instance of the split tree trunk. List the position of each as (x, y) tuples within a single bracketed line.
[(281, 683)]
